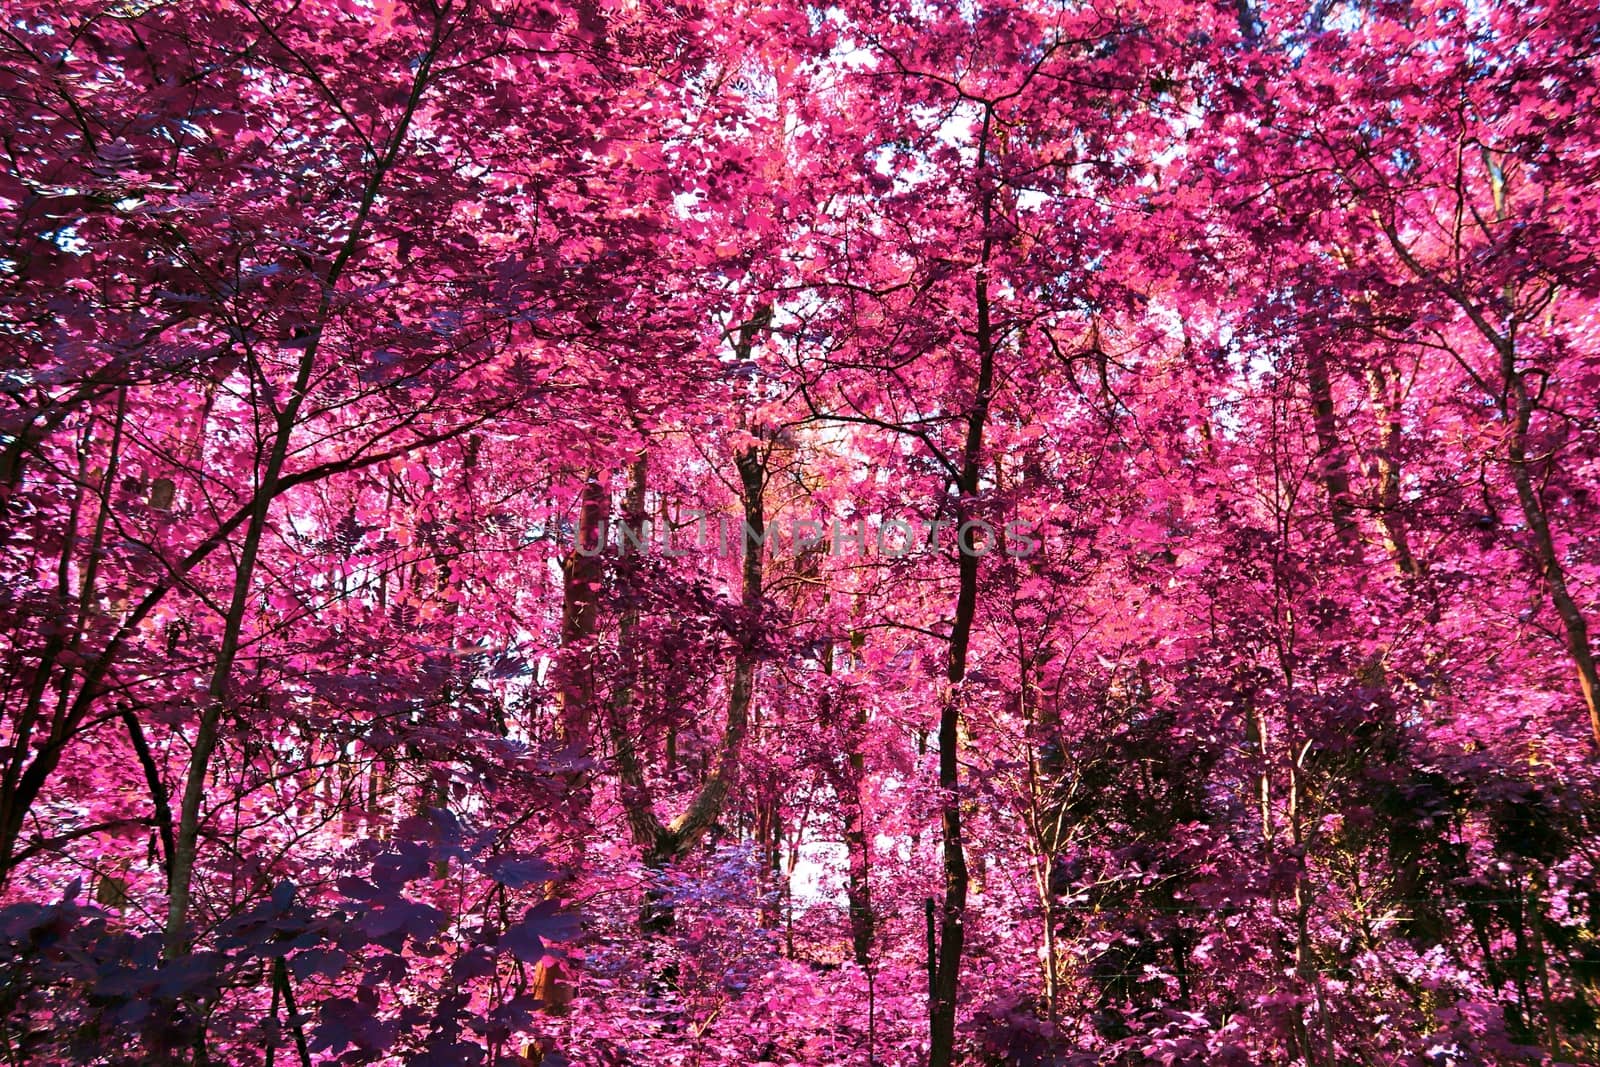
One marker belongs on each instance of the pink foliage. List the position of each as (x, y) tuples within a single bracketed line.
[(884, 534)]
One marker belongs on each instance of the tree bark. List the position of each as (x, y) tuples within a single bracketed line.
[(1519, 405), (662, 843), (1390, 516), (848, 782), (582, 572), (1331, 469), (952, 915)]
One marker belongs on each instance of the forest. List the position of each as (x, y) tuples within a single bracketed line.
[(882, 533)]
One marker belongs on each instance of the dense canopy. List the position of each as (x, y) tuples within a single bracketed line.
[(901, 532)]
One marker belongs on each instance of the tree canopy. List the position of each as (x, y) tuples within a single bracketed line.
[(631, 532)]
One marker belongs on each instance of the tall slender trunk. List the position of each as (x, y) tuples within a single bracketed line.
[(1304, 960), (181, 868), (1046, 825), (1331, 469), (858, 885), (175, 941), (1519, 404), (707, 804), (1390, 517), (952, 914), (635, 794), (662, 843), (768, 835), (582, 572), (849, 782), (665, 843)]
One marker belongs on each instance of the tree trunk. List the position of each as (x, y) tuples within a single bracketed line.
[(1516, 408), (1519, 405), (582, 574), (176, 940), (952, 916), (1390, 517), (664, 843), (1331, 469)]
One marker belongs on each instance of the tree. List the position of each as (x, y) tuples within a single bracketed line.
[(888, 534)]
